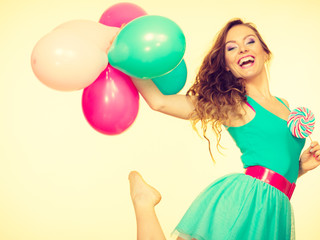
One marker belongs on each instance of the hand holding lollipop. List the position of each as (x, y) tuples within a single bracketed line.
[(301, 122)]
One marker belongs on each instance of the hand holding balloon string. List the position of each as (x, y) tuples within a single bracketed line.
[(171, 82), (75, 55)]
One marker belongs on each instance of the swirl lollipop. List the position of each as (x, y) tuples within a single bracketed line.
[(301, 122)]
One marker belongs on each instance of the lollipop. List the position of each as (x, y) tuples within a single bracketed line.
[(301, 122)]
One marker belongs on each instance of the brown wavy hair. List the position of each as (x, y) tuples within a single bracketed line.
[(219, 93)]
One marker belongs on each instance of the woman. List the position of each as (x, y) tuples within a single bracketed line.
[(232, 89)]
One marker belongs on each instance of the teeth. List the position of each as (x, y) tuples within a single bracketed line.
[(246, 59)]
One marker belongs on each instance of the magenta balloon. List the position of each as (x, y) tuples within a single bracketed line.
[(121, 13), (111, 103)]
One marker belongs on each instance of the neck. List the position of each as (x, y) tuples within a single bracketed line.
[(258, 86)]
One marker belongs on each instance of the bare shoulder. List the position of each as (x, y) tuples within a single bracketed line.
[(193, 98), (241, 116), (285, 101)]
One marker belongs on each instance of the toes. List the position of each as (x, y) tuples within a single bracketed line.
[(133, 175), (142, 194)]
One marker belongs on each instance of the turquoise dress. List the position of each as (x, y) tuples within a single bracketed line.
[(240, 207)]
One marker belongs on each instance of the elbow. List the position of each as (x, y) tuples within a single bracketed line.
[(156, 105)]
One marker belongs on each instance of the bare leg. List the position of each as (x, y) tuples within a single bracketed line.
[(144, 199)]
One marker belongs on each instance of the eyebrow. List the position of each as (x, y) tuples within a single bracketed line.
[(232, 41)]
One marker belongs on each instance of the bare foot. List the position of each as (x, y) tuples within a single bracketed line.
[(142, 194)]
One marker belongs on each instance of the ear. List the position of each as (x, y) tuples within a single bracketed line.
[(228, 69)]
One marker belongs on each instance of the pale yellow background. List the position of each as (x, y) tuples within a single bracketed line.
[(60, 179)]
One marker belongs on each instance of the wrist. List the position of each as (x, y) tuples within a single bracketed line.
[(301, 170)]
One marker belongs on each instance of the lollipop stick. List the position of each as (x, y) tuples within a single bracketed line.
[(310, 138)]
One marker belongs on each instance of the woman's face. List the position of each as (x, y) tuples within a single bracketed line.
[(244, 54)]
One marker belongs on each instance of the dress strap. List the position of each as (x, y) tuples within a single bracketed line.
[(250, 106), (279, 99)]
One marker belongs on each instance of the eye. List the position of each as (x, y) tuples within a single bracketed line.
[(231, 47), (251, 41)]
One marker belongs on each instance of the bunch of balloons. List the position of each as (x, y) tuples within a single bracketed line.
[(100, 57)]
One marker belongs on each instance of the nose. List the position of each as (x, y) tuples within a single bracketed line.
[(243, 49)]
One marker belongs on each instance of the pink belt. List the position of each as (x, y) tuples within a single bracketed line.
[(271, 177)]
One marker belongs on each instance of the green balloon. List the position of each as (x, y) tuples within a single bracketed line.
[(174, 81), (148, 47)]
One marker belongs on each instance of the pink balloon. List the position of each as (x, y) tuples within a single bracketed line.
[(64, 61), (111, 103), (121, 13), (93, 32)]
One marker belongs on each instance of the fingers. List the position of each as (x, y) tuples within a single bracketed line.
[(315, 150), (316, 155), (314, 143)]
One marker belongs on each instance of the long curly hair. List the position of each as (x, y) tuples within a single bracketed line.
[(219, 93)]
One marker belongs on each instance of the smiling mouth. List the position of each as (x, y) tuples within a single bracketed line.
[(246, 62)]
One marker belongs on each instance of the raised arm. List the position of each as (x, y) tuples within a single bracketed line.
[(180, 106)]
